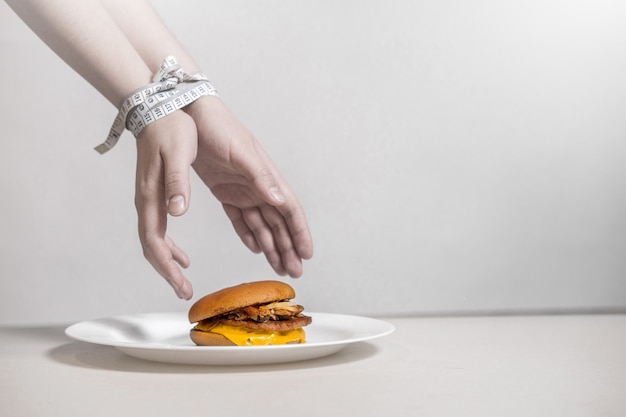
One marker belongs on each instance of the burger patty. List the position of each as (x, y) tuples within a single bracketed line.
[(274, 325)]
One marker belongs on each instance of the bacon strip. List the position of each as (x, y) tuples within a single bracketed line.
[(280, 310)]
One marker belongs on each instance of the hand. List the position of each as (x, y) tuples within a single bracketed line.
[(262, 208), (165, 152)]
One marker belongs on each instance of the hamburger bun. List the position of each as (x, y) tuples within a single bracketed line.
[(239, 296), (202, 338), (253, 313)]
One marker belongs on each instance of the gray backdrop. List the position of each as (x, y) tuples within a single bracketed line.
[(451, 156)]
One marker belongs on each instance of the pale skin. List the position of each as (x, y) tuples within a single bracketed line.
[(103, 42)]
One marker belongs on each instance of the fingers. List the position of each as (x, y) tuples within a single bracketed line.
[(259, 171), (164, 256), (264, 229), (268, 183), (162, 181), (268, 180), (265, 239), (241, 228), (297, 224), (282, 240)]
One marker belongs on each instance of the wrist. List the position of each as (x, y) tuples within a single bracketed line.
[(172, 89), (195, 109)]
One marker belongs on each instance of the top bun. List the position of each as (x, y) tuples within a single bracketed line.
[(239, 296)]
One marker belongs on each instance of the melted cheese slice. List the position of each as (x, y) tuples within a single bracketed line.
[(247, 337)]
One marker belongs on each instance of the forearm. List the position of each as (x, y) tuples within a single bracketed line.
[(148, 33), (87, 38)]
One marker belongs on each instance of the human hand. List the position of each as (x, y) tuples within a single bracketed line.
[(165, 152), (263, 209)]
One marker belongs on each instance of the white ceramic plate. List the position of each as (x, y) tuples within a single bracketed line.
[(164, 337)]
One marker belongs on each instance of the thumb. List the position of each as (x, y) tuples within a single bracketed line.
[(177, 188), (266, 185), (258, 168)]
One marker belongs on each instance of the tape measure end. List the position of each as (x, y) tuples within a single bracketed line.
[(101, 149)]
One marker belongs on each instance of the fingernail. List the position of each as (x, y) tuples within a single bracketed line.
[(185, 292), (276, 194), (176, 205)]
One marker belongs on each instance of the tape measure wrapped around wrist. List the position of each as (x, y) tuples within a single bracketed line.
[(171, 90)]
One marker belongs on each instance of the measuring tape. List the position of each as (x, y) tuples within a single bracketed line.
[(171, 89)]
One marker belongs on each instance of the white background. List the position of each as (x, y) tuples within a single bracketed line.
[(451, 156)]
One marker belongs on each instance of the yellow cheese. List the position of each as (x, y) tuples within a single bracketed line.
[(246, 337)]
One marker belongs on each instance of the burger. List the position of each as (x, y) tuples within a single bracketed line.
[(249, 314)]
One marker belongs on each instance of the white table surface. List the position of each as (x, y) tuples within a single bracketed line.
[(562, 365)]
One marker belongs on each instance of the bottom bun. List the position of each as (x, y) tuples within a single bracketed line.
[(201, 338), (225, 335)]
